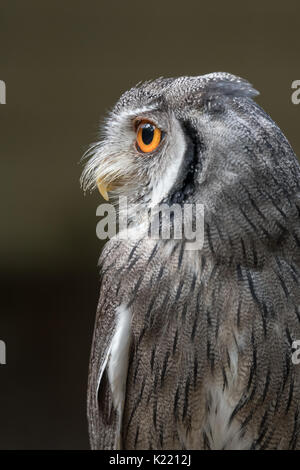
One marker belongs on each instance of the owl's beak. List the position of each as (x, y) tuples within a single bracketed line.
[(104, 187)]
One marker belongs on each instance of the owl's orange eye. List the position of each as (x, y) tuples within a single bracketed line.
[(148, 136)]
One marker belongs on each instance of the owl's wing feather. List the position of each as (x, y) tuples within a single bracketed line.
[(102, 416)]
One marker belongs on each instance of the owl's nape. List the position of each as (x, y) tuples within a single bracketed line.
[(194, 350)]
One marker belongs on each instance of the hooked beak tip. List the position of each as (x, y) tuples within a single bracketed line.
[(103, 189)]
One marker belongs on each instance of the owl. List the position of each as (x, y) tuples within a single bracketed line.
[(193, 348)]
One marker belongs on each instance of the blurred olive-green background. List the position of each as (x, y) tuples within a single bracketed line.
[(65, 63)]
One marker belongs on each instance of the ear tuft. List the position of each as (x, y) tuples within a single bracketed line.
[(226, 84)]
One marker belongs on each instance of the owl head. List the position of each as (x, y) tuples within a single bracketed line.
[(198, 139)]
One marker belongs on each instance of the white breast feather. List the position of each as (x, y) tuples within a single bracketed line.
[(118, 362)]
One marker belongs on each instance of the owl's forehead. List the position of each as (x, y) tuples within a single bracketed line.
[(183, 91), (168, 91)]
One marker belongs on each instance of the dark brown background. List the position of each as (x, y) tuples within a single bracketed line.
[(65, 63)]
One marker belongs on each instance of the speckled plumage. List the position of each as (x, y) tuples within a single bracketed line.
[(210, 358)]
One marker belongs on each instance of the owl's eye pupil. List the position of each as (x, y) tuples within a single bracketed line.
[(147, 133)]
